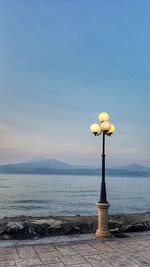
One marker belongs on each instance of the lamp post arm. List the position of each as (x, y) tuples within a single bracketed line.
[(97, 134)]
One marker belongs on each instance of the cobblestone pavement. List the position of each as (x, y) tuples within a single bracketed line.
[(131, 251)]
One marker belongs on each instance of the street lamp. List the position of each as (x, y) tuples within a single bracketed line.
[(106, 128)]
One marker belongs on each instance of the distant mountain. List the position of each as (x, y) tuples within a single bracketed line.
[(53, 166), (136, 167), (42, 164), (49, 163)]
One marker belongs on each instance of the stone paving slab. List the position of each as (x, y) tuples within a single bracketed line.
[(75, 251)]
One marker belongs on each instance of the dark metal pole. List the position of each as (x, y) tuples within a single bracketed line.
[(103, 197)]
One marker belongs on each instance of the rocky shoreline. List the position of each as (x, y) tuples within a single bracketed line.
[(37, 227)]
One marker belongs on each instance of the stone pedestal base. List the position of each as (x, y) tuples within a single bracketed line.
[(102, 230)]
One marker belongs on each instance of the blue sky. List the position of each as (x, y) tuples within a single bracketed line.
[(64, 62)]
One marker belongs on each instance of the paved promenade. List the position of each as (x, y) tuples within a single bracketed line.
[(84, 251)]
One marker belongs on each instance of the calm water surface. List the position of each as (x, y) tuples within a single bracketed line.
[(22, 194)]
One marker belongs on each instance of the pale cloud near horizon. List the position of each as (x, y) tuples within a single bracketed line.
[(17, 146)]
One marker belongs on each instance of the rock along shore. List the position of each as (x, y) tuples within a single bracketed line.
[(37, 227)]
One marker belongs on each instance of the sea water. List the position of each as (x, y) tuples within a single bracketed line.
[(43, 195)]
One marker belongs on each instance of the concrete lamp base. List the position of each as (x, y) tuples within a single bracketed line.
[(102, 231)]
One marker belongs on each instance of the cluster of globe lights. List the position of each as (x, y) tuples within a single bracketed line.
[(104, 126)]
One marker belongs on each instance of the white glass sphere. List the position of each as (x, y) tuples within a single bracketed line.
[(95, 128), (105, 126), (112, 129), (103, 116)]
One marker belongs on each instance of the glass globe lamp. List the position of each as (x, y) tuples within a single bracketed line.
[(103, 116), (112, 129), (105, 126), (95, 128)]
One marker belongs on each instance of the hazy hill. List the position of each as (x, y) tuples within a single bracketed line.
[(33, 165), (136, 167), (53, 166)]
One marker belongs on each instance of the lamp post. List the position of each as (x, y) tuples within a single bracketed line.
[(106, 128)]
